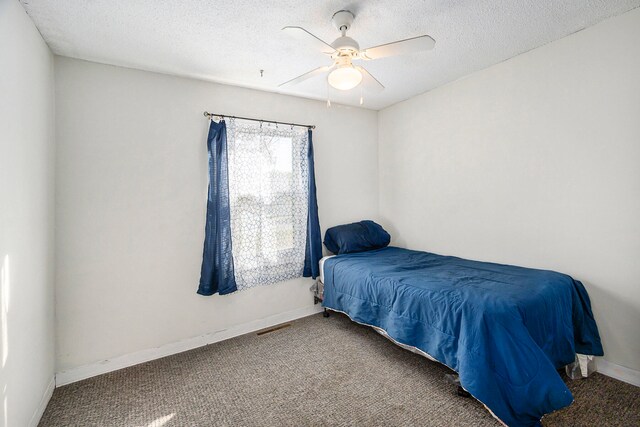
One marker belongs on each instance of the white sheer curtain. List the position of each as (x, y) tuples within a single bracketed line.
[(268, 186)]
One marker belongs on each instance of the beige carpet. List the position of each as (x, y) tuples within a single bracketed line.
[(316, 372)]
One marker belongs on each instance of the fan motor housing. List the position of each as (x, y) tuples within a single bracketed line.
[(345, 44)]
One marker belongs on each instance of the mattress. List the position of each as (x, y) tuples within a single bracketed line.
[(322, 260)]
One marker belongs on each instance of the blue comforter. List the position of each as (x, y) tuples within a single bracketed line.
[(505, 329)]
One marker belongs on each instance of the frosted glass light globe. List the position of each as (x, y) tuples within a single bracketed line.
[(345, 77)]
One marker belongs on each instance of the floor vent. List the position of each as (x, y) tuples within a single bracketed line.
[(275, 328)]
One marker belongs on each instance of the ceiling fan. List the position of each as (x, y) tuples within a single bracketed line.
[(342, 74)]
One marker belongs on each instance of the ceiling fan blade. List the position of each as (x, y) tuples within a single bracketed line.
[(306, 36), (369, 81), (401, 47), (307, 75)]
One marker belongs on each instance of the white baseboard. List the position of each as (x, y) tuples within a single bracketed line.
[(46, 396), (618, 372), (104, 366), (609, 369)]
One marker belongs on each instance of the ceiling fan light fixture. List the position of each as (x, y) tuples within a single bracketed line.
[(342, 74), (345, 77)]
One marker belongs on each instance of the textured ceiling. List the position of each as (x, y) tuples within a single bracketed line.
[(231, 41)]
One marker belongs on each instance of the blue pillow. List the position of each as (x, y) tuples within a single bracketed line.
[(357, 237)]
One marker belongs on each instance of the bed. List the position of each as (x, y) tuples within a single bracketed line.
[(505, 330)]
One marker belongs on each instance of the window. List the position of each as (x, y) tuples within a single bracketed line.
[(268, 190)]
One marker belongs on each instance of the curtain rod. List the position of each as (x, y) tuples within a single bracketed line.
[(212, 115)]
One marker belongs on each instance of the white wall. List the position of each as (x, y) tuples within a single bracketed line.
[(26, 219), (534, 161), (131, 199)]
